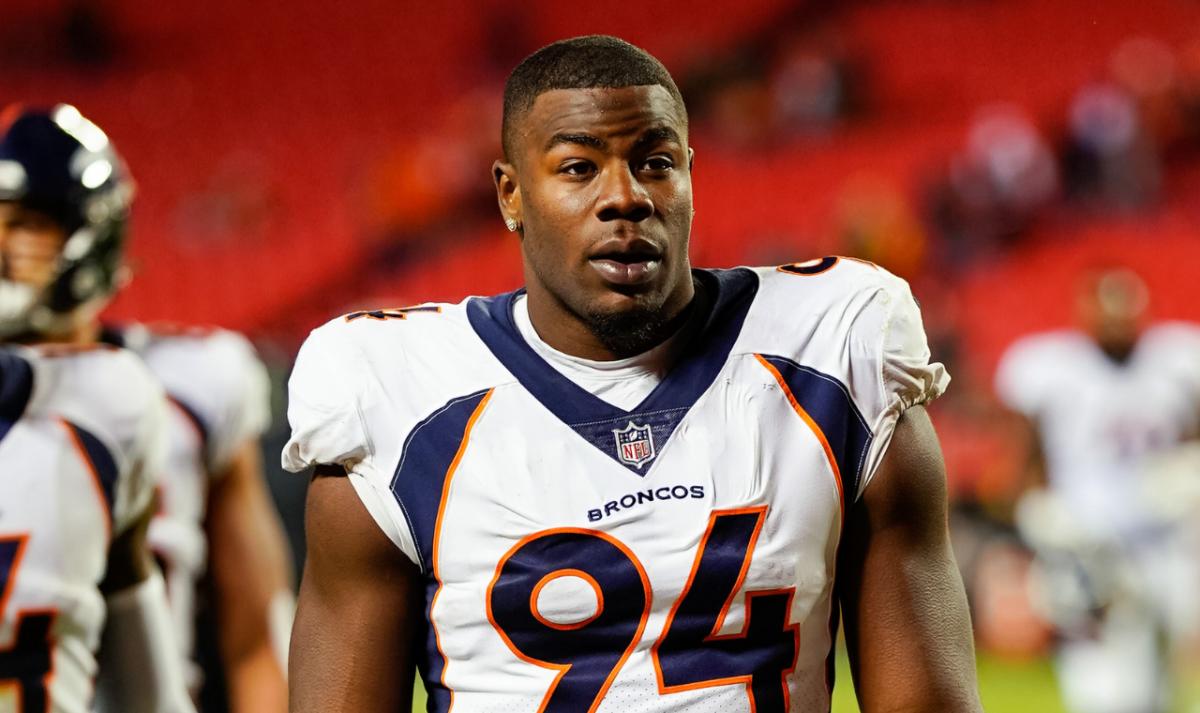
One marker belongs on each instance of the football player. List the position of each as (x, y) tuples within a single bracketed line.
[(1102, 402), (631, 485), (81, 440), (215, 512)]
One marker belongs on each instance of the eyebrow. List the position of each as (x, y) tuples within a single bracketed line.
[(576, 139), (657, 135)]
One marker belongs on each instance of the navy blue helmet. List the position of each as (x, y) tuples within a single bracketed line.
[(61, 164)]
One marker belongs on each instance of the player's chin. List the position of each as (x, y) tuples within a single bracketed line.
[(625, 304)]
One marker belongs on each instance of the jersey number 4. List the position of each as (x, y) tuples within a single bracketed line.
[(25, 664), (689, 655)]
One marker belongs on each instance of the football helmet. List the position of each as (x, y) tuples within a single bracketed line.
[(61, 164)]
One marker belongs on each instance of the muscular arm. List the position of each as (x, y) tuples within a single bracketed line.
[(905, 611), (359, 609), (252, 580)]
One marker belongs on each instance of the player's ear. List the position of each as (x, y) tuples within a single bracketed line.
[(508, 194), (691, 158)]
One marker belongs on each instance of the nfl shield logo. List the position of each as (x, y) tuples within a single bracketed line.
[(635, 444)]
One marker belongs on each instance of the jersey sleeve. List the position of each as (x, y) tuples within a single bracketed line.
[(218, 380), (1020, 381), (324, 410), (240, 401), (893, 329), (147, 460), (1178, 343), (327, 396)]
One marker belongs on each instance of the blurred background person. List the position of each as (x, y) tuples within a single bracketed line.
[(1115, 545), (212, 509), (82, 607)]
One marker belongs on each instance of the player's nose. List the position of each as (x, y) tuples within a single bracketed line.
[(622, 196)]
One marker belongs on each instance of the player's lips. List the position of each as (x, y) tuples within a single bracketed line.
[(626, 262)]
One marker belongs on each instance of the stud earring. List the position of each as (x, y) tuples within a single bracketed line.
[(511, 224)]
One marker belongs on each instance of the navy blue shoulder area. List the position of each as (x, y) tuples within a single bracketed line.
[(101, 461), (16, 388), (425, 461), (193, 417), (828, 402)]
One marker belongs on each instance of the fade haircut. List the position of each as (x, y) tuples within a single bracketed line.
[(588, 62)]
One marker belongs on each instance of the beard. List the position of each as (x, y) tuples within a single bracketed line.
[(631, 331), (644, 326)]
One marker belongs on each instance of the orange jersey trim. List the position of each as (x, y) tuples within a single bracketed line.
[(437, 533)]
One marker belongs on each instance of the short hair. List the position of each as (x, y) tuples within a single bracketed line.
[(587, 62)]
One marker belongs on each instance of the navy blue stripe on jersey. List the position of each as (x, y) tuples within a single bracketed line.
[(828, 402), (430, 662), (424, 464), (198, 423), (103, 465), (16, 387), (418, 485), (621, 434)]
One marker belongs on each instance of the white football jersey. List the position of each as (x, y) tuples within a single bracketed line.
[(80, 442), (678, 556), (219, 396), (1098, 419)]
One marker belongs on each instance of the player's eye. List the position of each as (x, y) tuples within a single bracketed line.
[(577, 169), (658, 164)]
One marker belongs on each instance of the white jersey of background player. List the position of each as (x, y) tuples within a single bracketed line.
[(219, 397), (80, 443), (597, 516), (1104, 401), (64, 229)]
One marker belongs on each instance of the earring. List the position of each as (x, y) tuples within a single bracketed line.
[(511, 224)]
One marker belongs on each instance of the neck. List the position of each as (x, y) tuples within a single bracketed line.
[(83, 333), (1118, 352)]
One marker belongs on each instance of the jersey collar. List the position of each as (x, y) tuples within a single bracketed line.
[(633, 438)]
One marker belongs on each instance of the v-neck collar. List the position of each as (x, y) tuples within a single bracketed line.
[(631, 437)]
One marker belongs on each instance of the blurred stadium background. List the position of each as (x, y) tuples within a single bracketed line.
[(296, 159)]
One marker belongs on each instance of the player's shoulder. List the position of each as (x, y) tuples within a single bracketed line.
[(189, 353), (207, 367), (830, 298), (414, 359), (1047, 348), (364, 377), (1173, 335), (106, 394), (832, 274), (103, 380), (1172, 350), (214, 375), (430, 325), (432, 342)]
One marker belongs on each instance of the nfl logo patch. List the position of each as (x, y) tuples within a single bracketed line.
[(635, 444)]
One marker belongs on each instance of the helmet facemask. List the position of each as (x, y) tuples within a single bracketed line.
[(66, 168)]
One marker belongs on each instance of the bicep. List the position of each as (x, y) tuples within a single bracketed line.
[(907, 624), (358, 611)]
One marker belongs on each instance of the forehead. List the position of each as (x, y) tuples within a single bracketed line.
[(601, 112)]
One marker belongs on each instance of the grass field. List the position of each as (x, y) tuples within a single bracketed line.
[(1006, 687)]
